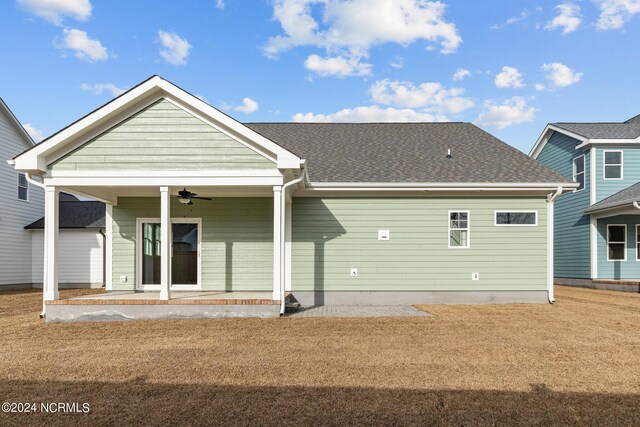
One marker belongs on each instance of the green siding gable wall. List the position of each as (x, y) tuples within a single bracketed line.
[(162, 137), (333, 235), (571, 226), (237, 240)]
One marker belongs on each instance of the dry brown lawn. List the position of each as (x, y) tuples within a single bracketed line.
[(574, 362)]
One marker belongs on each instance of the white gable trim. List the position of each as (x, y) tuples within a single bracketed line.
[(146, 93), (546, 134), (27, 138)]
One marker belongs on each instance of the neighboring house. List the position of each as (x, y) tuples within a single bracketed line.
[(378, 213), (20, 204), (82, 237), (597, 226)]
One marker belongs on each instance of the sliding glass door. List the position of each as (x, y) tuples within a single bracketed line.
[(185, 254)]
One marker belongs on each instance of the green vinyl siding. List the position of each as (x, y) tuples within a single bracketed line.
[(618, 270), (571, 225), (237, 240), (332, 235), (630, 171), (162, 137)]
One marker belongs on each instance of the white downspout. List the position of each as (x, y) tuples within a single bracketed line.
[(550, 214), (41, 185), (283, 201), (33, 181), (636, 205)]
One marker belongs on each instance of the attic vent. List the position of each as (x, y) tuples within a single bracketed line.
[(449, 156)]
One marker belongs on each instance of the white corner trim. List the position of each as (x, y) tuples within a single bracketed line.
[(108, 247), (593, 237), (592, 175)]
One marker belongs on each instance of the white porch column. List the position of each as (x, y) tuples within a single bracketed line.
[(50, 282), (108, 247), (277, 240), (165, 244)]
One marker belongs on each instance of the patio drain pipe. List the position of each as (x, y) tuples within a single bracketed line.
[(550, 233), (283, 201)]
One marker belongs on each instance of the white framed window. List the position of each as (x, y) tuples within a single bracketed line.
[(613, 164), (516, 218), (459, 234), (637, 242), (578, 172), (616, 242), (23, 187)]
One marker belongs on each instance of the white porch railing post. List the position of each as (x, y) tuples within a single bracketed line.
[(50, 279), (108, 247), (287, 247), (277, 240), (165, 244)]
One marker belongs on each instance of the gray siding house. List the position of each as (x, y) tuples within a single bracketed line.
[(597, 226), (20, 204), (206, 216)]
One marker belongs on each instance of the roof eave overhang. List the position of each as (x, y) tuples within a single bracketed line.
[(626, 207), (544, 138), (604, 142), (444, 186), (35, 160)]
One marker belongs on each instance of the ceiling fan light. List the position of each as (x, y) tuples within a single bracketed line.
[(184, 200)]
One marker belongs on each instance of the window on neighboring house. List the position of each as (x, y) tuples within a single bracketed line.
[(459, 229), (637, 242), (616, 242), (516, 218), (613, 164), (23, 187), (578, 172)]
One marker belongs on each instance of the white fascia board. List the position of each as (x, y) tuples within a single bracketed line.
[(154, 88), (133, 174), (605, 142), (186, 181), (544, 138), (379, 186)]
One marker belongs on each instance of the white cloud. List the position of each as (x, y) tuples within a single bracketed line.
[(510, 112), (369, 114), (175, 49), (510, 77), (337, 66), (615, 13), (220, 4), (82, 45), (568, 20), (539, 87), (428, 97), (36, 134), (353, 27), (100, 88), (461, 74), (523, 15), (397, 62), (55, 11), (248, 106), (560, 75)]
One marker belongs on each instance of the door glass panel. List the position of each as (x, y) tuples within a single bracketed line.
[(150, 254), (184, 264)]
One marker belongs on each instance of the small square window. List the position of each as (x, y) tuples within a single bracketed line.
[(613, 164)]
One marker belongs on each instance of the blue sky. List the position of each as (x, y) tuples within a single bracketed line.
[(520, 64)]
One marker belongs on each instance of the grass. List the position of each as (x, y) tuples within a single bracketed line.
[(574, 362)]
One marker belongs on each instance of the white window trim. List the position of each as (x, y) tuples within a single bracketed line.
[(468, 229), (174, 287), (584, 173), (625, 242), (604, 165), (495, 217), (18, 187), (637, 241)]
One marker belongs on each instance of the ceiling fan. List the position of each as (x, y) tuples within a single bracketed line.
[(185, 196)]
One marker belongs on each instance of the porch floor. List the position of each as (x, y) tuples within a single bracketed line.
[(177, 298)]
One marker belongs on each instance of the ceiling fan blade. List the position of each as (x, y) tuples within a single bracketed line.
[(201, 198)]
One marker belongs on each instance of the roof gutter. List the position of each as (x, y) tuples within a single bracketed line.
[(439, 186)]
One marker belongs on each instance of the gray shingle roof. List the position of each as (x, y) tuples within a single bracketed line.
[(76, 214), (624, 197), (624, 130), (405, 152)]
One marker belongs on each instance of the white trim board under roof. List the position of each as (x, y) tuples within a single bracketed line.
[(36, 159)]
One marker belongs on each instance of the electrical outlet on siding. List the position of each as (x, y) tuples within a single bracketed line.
[(475, 276), (354, 272), (123, 279)]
